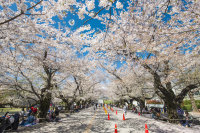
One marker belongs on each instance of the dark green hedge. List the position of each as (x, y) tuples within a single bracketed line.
[(188, 106)]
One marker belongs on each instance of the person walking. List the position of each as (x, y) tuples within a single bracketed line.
[(94, 107), (125, 109)]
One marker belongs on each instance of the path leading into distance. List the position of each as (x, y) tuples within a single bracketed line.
[(90, 121)]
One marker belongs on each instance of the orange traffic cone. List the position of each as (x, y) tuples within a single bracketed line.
[(115, 128), (146, 129), (123, 117), (108, 116), (116, 112)]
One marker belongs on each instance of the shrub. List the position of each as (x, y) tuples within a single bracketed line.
[(198, 106), (197, 102), (186, 102), (187, 107)]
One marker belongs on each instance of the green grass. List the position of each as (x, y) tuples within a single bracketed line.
[(107, 102), (11, 110)]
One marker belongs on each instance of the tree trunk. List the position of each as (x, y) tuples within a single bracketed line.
[(142, 104), (172, 110), (44, 105), (194, 106), (67, 106)]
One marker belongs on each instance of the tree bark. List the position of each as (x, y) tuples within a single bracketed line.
[(194, 106), (142, 104), (44, 105), (172, 107)]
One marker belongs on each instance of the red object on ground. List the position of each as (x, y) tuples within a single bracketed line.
[(138, 113), (123, 117), (115, 128), (108, 116), (116, 112), (146, 129)]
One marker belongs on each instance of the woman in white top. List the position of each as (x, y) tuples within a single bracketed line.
[(125, 109)]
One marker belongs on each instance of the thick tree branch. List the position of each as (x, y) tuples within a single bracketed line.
[(185, 91)]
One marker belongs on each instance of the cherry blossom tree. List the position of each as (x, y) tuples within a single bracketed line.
[(190, 76), (161, 36), (33, 52), (80, 86), (129, 84), (30, 63)]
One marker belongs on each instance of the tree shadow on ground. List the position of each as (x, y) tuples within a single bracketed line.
[(29, 129), (72, 128)]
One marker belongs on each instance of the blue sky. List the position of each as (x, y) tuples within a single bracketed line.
[(94, 23)]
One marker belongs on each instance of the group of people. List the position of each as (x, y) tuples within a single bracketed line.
[(52, 115), (184, 117), (29, 117), (77, 108)]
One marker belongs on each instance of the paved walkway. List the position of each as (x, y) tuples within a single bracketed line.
[(90, 121)]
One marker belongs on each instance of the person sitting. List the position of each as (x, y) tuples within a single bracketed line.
[(180, 115), (144, 111), (29, 121), (22, 114), (154, 113), (57, 111), (157, 113), (48, 117), (186, 122), (34, 111)]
